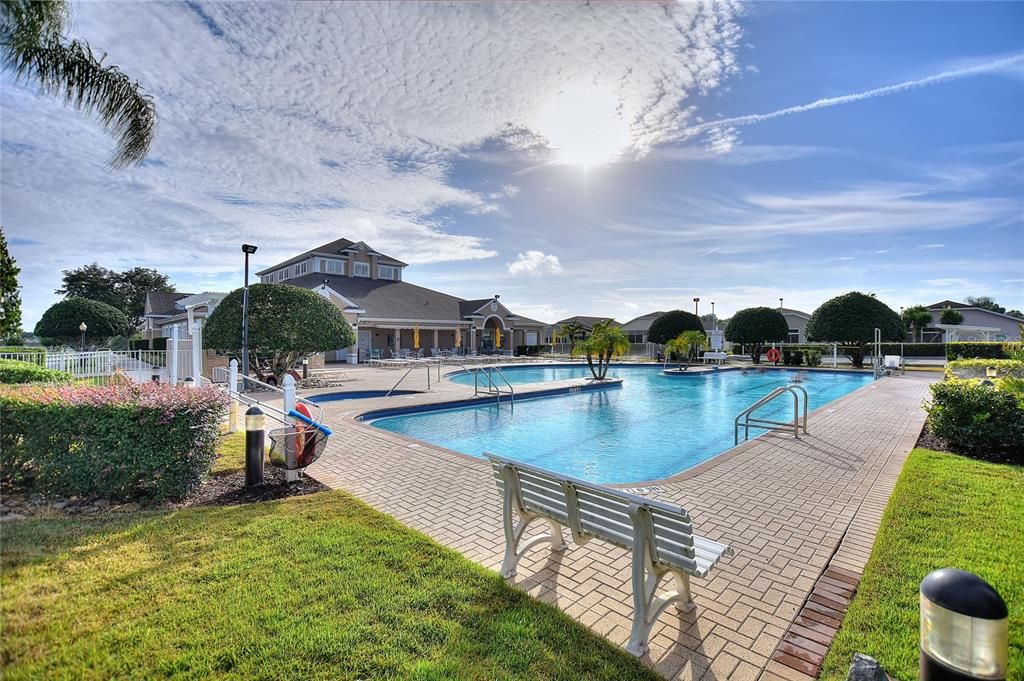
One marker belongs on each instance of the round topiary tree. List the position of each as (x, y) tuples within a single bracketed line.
[(851, 320), (285, 323), (756, 326), (61, 322), (671, 324)]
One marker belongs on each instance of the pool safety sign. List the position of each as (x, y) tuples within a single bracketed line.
[(715, 337)]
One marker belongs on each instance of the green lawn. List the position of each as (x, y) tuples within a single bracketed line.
[(946, 511), (319, 586), (230, 454)]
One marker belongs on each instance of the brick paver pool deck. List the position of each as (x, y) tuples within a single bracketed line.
[(790, 508)]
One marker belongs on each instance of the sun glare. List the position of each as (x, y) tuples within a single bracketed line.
[(584, 126)]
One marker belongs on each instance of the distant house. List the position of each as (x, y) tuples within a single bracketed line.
[(165, 311), (979, 324), (637, 327), (797, 320), (387, 312)]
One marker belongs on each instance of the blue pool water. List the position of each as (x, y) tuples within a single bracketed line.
[(652, 427)]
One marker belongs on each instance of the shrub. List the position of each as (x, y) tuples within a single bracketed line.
[(531, 350), (158, 344), (138, 344), (975, 418), (13, 371), (23, 354), (812, 356), (671, 324), (851, 319), (977, 368), (792, 357), (756, 326), (61, 321), (972, 350), (144, 441), (285, 323)]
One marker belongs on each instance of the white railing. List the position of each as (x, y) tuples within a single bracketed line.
[(138, 365)]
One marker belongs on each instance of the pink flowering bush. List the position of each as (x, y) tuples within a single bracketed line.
[(144, 441)]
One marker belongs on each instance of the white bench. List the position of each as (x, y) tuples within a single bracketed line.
[(659, 534), (715, 357)]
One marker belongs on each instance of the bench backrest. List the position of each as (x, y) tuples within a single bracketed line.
[(892, 361), (591, 510)]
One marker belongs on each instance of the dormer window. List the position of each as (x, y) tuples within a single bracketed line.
[(361, 269), (334, 266), (299, 268), (387, 272)]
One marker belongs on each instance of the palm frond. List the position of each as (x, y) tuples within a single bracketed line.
[(30, 38)]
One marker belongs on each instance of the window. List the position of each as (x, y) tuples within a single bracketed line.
[(794, 336), (531, 338), (361, 269), (387, 272), (299, 268), (334, 266), (635, 336)]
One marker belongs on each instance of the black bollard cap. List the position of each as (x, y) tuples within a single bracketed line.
[(964, 593), (253, 411)]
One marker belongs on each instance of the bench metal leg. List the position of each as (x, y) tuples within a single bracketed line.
[(514, 534)]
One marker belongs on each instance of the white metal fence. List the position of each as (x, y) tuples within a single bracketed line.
[(646, 350)]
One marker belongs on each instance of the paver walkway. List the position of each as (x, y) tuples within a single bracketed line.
[(783, 504)]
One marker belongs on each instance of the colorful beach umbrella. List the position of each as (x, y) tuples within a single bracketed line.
[(497, 337), (416, 338)]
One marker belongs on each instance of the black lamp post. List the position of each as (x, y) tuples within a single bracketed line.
[(248, 249), (82, 327), (696, 306), (964, 628)]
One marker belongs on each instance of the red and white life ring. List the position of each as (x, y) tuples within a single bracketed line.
[(774, 355), (305, 440)]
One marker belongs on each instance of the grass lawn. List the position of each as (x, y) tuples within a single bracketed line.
[(230, 454), (946, 511), (319, 586)]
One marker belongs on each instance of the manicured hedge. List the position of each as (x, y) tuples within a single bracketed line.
[(531, 350), (914, 349), (978, 368), (13, 371), (139, 441), (138, 344), (158, 344), (981, 350), (975, 418), (23, 354)]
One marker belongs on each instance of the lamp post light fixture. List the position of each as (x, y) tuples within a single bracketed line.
[(780, 304), (713, 317), (696, 306), (248, 249), (82, 327), (964, 628)]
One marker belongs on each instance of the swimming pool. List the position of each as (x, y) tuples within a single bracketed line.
[(652, 427)]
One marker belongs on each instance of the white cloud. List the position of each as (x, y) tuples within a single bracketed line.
[(535, 263), (841, 258), (930, 247)]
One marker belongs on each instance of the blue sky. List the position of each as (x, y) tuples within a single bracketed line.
[(612, 159)]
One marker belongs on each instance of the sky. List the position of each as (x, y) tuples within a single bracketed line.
[(605, 159)]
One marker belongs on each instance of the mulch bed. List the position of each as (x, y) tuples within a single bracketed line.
[(929, 441)]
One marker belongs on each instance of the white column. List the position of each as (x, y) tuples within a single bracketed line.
[(288, 386), (172, 356), (435, 340), (233, 393), (398, 340), (197, 353)]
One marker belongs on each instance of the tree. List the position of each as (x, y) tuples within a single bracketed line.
[(574, 331), (757, 326), (1015, 313), (124, 290), (34, 48), (687, 344), (61, 322), (851, 320), (605, 342), (917, 318), (951, 316), (671, 324), (10, 297), (986, 303), (285, 323)]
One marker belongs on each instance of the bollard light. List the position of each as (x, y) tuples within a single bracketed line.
[(964, 628), (305, 367), (254, 444)]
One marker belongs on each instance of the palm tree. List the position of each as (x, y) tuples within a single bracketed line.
[(32, 45), (605, 342), (574, 331), (687, 344), (917, 318)]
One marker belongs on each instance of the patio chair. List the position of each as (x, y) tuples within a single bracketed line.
[(893, 363)]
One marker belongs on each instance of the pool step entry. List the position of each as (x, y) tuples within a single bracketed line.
[(746, 421), (491, 387)]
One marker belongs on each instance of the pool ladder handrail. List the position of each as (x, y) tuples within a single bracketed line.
[(768, 424), (493, 388), (407, 372)]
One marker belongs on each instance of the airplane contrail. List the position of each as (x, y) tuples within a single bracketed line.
[(858, 96)]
